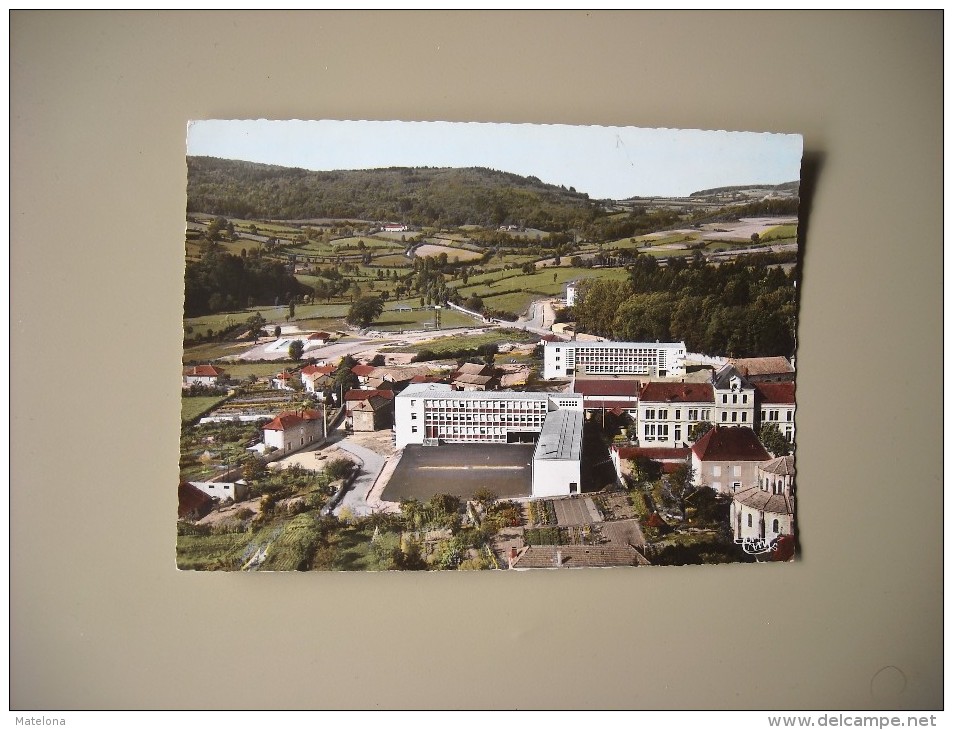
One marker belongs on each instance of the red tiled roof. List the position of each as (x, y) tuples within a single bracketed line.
[(309, 370), (310, 414), (204, 371), (775, 392), (426, 379), (363, 370), (283, 421), (735, 443), (762, 365), (658, 453), (552, 338), (193, 501), (606, 387), (283, 376), (677, 393), (357, 395)]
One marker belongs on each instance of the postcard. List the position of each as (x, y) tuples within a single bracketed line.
[(472, 346)]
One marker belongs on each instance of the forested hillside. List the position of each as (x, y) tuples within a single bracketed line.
[(418, 196), (745, 308)]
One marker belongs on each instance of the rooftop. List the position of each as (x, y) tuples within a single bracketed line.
[(735, 443), (658, 392), (776, 392), (782, 466), (764, 501), (610, 344), (613, 386), (658, 453), (561, 436), (762, 365)]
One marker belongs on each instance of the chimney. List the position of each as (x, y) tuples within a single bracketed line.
[(512, 558)]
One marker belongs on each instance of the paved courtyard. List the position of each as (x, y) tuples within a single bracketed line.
[(461, 469)]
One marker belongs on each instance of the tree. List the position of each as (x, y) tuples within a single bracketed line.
[(295, 349), (474, 303), (678, 486), (277, 330), (699, 430), (255, 324), (485, 497), (364, 311), (773, 440), (291, 309), (644, 469)]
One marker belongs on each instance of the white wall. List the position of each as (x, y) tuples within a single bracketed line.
[(552, 477)]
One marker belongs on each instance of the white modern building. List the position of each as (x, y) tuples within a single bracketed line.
[(433, 413), (650, 359)]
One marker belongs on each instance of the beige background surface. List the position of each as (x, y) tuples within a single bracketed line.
[(99, 616)]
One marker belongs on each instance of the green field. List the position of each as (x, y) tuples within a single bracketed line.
[(210, 552), (442, 345), (193, 407), (392, 321), (206, 352), (780, 233)]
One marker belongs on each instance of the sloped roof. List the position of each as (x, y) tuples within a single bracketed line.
[(468, 379), (427, 379), (736, 443), (374, 403), (312, 370), (775, 392), (617, 387), (782, 466), (655, 392), (193, 500), (473, 368), (763, 501), (577, 556), (204, 371), (355, 394), (722, 378), (363, 371), (283, 421), (762, 365)]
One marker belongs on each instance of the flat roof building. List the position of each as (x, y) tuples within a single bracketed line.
[(434, 413), (651, 359)]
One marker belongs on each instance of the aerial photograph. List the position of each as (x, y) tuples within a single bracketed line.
[(474, 346)]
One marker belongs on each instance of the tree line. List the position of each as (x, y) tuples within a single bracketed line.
[(745, 308)]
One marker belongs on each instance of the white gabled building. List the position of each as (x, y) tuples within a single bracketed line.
[(650, 359), (734, 398)]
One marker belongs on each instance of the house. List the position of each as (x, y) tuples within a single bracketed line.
[(573, 292), (764, 369), (221, 491), (667, 458), (316, 377), (316, 339), (194, 504), (395, 227), (372, 414), (356, 395), (574, 556), (727, 459), (764, 512), (363, 373), (776, 405), (668, 411), (734, 398), (474, 376), (282, 381), (651, 359), (206, 375), (290, 431)]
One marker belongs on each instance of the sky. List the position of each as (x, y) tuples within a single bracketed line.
[(605, 162)]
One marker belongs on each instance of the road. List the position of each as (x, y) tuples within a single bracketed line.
[(541, 317), (372, 463)]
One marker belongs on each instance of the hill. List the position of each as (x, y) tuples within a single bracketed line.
[(417, 196)]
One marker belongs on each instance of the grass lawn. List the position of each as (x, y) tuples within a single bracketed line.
[(193, 407), (442, 345), (209, 351), (240, 370), (391, 320), (780, 233)]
